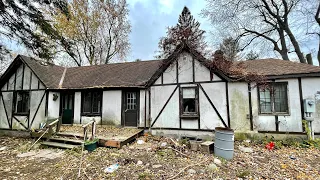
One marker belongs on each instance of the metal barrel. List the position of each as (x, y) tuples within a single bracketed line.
[(224, 142)]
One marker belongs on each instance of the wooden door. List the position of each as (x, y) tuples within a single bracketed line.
[(131, 108), (67, 104)]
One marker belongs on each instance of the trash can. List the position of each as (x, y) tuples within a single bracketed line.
[(224, 142)]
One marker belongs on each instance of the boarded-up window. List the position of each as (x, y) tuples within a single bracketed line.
[(22, 102), (274, 99), (91, 103)]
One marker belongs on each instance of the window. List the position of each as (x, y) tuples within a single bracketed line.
[(131, 101), (91, 103), (274, 100), (22, 102), (189, 101)]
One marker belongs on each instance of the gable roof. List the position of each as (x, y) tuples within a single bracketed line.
[(281, 68)]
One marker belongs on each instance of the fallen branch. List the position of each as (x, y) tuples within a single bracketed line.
[(182, 170), (38, 139), (179, 152)]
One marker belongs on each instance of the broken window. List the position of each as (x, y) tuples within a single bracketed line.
[(91, 103), (189, 101), (274, 99), (22, 102)]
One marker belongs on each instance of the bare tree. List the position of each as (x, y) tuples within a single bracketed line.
[(188, 30), (270, 21), (99, 31)]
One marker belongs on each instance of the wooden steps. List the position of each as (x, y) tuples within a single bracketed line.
[(59, 145), (65, 140)]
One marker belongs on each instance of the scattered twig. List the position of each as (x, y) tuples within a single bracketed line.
[(182, 170), (174, 142), (179, 152), (38, 139)]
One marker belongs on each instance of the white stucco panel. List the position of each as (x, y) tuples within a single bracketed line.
[(53, 105), (185, 70), (170, 74), (3, 117), (77, 108), (26, 78), (19, 73), (111, 107), (35, 100)]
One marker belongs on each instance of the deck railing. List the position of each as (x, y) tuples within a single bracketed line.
[(93, 130)]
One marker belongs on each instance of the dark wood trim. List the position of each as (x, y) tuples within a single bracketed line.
[(123, 96), (202, 82), (184, 129), (47, 99), (97, 89), (295, 76), (193, 71), (177, 71), (38, 84), (15, 81), (7, 85), (30, 83), (149, 91), (91, 114), (138, 106), (301, 102), (250, 106), (34, 73), (145, 108), (22, 81), (14, 97), (155, 120), (35, 114), (215, 109), (277, 122), (25, 90), (198, 106), (162, 78), (5, 110), (21, 122), (180, 106), (228, 108)]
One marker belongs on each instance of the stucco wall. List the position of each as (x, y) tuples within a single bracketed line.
[(111, 107), (77, 108), (311, 89), (53, 106)]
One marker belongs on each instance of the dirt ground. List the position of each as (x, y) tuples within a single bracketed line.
[(155, 159)]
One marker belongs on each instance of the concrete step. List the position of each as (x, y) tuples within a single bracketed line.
[(66, 140), (59, 145)]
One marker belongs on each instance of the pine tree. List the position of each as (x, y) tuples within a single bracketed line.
[(252, 55), (230, 48), (187, 29)]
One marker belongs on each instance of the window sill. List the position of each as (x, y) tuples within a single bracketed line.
[(189, 116), (90, 114), (21, 114), (274, 114)]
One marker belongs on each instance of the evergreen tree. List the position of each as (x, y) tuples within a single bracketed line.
[(187, 30), (252, 55), (24, 21), (230, 48)]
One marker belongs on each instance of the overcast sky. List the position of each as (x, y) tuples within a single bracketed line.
[(149, 19)]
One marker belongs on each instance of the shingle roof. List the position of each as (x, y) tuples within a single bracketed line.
[(137, 74), (129, 74), (277, 67), (49, 74)]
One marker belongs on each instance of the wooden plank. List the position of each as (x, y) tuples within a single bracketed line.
[(130, 139), (70, 134), (59, 145), (66, 140)]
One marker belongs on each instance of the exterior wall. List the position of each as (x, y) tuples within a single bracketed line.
[(239, 106), (189, 72), (53, 106), (311, 89), (111, 107), (86, 119), (23, 79), (143, 108), (77, 108), (291, 122)]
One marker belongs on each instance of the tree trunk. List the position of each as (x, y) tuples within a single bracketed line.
[(309, 58), (295, 45), (319, 52), (284, 55)]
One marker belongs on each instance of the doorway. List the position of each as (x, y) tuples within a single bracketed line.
[(130, 108), (66, 107)]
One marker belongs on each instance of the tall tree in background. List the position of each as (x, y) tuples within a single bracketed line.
[(230, 48), (252, 56), (270, 21), (99, 30), (23, 21), (187, 30)]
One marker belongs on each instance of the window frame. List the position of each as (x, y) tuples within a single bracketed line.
[(22, 113), (195, 115), (272, 99), (91, 113)]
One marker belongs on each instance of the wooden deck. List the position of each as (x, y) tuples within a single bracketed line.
[(108, 136)]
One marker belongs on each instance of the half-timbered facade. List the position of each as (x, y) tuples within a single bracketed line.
[(177, 95)]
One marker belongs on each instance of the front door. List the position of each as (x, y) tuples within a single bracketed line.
[(67, 100), (131, 108)]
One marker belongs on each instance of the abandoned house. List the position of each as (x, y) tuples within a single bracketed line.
[(173, 96)]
